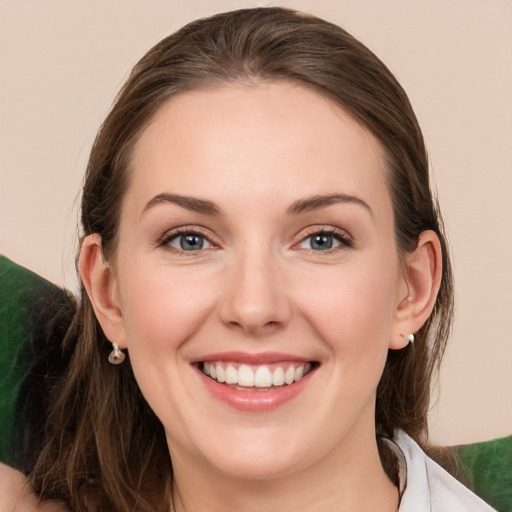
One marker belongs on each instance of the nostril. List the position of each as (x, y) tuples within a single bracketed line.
[(254, 326)]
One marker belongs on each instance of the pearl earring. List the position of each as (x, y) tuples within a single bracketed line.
[(116, 356), (411, 338)]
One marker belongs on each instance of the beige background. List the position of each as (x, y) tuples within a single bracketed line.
[(61, 62)]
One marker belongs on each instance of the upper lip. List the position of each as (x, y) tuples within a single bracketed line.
[(250, 358)]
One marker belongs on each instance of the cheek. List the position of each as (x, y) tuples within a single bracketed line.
[(162, 308), (351, 309), (162, 311)]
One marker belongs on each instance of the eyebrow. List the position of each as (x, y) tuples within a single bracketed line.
[(322, 201), (190, 203), (300, 206)]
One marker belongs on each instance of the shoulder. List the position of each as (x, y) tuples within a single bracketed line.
[(16, 495), (428, 487)]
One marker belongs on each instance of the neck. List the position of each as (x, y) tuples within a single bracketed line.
[(350, 478)]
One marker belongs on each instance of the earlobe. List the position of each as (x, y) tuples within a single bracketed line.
[(100, 283), (421, 280)]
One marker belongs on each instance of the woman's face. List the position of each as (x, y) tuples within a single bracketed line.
[(256, 246)]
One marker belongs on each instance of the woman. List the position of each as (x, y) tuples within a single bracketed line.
[(266, 285)]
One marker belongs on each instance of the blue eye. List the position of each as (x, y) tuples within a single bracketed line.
[(321, 242), (189, 242), (324, 241)]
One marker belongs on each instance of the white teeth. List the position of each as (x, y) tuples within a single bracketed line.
[(245, 376), (289, 376), (263, 377), (278, 377), (259, 376), (221, 374), (231, 375)]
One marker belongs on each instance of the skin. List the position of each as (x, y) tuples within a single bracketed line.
[(16, 496), (259, 285)]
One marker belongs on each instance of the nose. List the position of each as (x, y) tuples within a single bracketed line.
[(255, 299)]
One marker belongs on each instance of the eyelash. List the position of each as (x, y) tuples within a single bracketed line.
[(339, 235), (168, 237)]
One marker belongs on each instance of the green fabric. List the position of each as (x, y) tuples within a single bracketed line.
[(18, 296), (29, 306), (489, 469)]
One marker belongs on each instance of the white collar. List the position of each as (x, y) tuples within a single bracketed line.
[(425, 486)]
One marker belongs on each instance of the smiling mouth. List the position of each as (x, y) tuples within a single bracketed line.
[(265, 377)]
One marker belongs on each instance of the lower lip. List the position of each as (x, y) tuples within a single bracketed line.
[(255, 401)]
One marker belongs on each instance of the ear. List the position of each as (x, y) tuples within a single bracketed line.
[(100, 283), (418, 289)]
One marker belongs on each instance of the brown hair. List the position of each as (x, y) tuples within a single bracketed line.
[(102, 437)]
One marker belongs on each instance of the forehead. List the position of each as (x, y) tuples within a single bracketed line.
[(257, 139)]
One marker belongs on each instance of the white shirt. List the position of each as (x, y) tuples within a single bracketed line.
[(427, 487)]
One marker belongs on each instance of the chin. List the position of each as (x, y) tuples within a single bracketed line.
[(259, 467), (260, 455)]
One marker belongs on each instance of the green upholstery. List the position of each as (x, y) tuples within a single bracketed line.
[(489, 469), (16, 323), (34, 315)]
